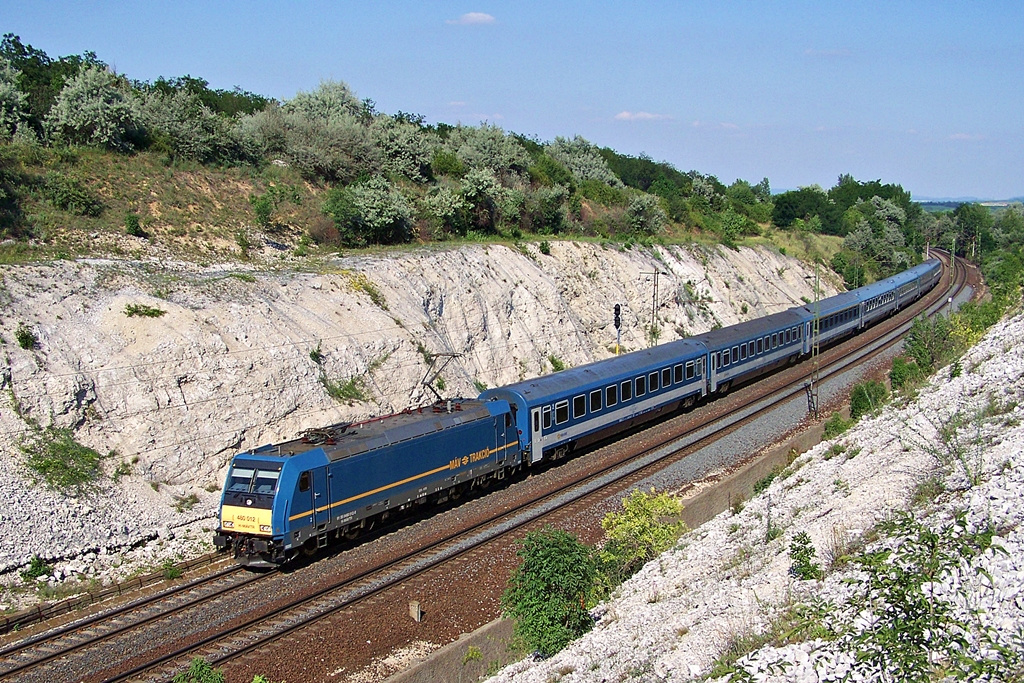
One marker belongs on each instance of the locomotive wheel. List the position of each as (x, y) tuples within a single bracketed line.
[(309, 547)]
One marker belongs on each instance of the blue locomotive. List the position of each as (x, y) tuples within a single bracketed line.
[(293, 497)]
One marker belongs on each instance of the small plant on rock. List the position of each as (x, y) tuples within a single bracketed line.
[(25, 337), (802, 554)]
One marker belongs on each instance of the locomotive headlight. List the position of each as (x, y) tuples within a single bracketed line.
[(228, 524), (265, 527)]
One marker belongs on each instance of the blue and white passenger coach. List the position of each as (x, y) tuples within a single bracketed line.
[(558, 412)]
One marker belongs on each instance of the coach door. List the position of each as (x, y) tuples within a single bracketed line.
[(536, 447), (321, 497)]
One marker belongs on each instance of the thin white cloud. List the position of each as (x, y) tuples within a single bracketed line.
[(640, 116), (970, 137), (472, 19)]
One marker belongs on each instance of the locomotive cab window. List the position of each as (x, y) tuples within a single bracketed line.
[(240, 479), (595, 400), (611, 395), (627, 390), (266, 481), (579, 406), (304, 481), (641, 386)]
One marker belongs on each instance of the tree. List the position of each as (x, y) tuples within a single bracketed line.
[(12, 101), (405, 148), (645, 215), (373, 212), (583, 160), (548, 593), (971, 220), (182, 126), (40, 77), (93, 109), (487, 147)]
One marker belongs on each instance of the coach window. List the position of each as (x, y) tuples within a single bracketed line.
[(678, 372), (726, 358), (641, 386), (743, 352), (666, 377), (547, 417), (579, 406), (750, 348), (304, 481), (653, 383), (561, 412), (785, 339), (689, 370), (595, 400), (611, 395), (627, 390), (760, 345), (775, 340)]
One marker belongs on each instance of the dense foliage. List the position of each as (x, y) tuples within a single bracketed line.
[(548, 594)]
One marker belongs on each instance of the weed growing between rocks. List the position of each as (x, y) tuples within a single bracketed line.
[(143, 311), (54, 457), (909, 616)]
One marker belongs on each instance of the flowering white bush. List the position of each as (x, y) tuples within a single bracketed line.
[(583, 160), (94, 108), (12, 100)]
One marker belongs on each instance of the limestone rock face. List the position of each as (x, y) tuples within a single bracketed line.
[(230, 359)]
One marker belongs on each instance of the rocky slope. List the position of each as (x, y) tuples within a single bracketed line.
[(957, 447), (224, 358)]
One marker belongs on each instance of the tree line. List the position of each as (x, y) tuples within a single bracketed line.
[(390, 178)]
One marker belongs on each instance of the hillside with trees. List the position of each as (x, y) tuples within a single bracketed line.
[(93, 162)]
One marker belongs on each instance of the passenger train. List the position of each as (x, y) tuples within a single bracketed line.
[(338, 481)]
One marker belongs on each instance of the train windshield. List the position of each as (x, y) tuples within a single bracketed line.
[(249, 479)]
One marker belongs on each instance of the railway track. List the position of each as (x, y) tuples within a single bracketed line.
[(126, 644)]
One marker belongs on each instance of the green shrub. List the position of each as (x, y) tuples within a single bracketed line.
[(170, 570), (349, 390), (556, 363), (142, 310), (836, 425), (25, 337), (199, 671), (802, 554), (548, 593), (59, 461), (545, 248), (68, 194), (866, 397), (903, 373), (133, 226), (37, 567), (262, 207), (648, 525)]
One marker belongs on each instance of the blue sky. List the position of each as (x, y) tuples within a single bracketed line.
[(925, 94)]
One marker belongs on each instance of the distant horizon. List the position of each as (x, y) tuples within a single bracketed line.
[(797, 92)]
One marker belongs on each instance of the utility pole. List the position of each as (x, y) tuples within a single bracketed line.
[(812, 386), (654, 306)]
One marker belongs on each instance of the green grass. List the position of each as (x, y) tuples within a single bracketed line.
[(142, 310)]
